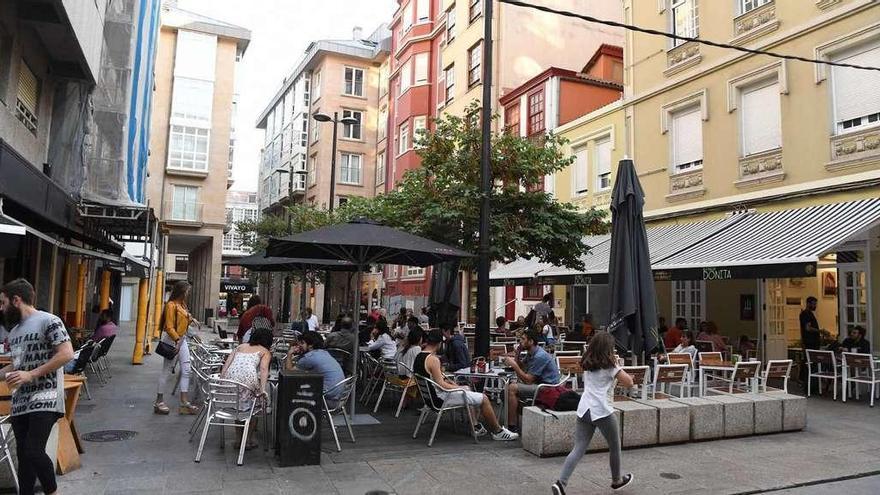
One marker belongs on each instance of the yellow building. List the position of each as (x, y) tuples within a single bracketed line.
[(716, 130)]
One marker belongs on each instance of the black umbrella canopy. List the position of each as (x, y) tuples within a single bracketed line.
[(444, 302), (364, 242), (259, 262), (633, 309)]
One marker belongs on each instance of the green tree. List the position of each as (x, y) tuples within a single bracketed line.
[(441, 199)]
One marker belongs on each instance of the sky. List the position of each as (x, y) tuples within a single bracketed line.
[(280, 32)]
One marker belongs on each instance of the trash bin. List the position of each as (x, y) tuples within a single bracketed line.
[(298, 418)]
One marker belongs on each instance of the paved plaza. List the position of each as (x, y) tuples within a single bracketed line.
[(839, 452)]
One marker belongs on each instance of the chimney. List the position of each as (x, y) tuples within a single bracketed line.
[(357, 33)]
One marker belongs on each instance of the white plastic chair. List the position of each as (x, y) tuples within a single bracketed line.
[(778, 368), (672, 374), (860, 369)]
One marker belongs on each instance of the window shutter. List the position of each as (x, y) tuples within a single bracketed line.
[(28, 88), (603, 157), (687, 136), (761, 119), (857, 92), (580, 171), (421, 68)]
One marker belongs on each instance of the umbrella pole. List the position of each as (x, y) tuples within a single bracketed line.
[(357, 328), (302, 295)]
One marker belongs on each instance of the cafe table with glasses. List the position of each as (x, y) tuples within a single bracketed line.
[(495, 378)]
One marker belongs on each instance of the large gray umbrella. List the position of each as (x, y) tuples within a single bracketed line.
[(259, 262), (633, 310), (364, 243), (444, 302)]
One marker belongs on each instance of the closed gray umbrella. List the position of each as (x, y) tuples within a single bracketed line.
[(633, 309), (445, 299)]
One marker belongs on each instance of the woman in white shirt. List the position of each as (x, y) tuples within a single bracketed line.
[(547, 330), (411, 348), (685, 345), (594, 411), (382, 342)]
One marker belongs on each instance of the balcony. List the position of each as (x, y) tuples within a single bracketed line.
[(182, 213), (854, 149), (682, 57), (686, 185), (754, 24), (760, 168)]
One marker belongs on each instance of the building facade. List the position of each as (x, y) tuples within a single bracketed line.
[(240, 206), (190, 146), (338, 78)]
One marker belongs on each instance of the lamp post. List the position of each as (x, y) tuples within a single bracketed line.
[(483, 317), (323, 118), (288, 284)]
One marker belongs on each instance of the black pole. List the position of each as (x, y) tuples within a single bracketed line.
[(327, 279), (483, 316)]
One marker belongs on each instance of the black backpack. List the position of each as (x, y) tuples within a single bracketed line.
[(568, 401)]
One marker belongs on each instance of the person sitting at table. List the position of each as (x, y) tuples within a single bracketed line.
[(248, 364), (382, 345), (427, 364), (259, 322), (673, 336), (711, 334), (255, 308), (106, 326), (501, 326), (400, 321), (684, 345), (412, 346), (457, 355), (855, 342), (517, 325), (317, 360), (745, 345), (547, 334), (342, 336), (400, 334), (576, 334), (538, 368)]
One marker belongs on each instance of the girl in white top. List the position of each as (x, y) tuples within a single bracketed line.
[(595, 411), (547, 330), (383, 343)]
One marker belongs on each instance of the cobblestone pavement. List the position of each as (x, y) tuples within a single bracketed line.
[(841, 441)]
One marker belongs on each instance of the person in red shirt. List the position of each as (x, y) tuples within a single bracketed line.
[(255, 308), (672, 337)]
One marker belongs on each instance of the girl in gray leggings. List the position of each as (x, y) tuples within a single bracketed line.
[(595, 411)]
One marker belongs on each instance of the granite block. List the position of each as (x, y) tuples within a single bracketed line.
[(545, 434), (794, 411), (768, 413), (739, 414), (638, 423), (707, 417), (673, 420)]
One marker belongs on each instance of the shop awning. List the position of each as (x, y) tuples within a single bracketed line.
[(785, 243)]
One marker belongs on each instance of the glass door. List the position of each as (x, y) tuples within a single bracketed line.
[(775, 342)]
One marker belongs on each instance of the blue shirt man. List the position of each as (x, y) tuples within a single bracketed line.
[(541, 364), (317, 360), (457, 355), (538, 368)]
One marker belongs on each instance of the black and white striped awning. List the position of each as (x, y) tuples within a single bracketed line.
[(777, 244)]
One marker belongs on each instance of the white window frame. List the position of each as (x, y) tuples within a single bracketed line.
[(597, 171), (316, 86), (421, 62), (449, 76), (476, 49), (413, 272), (423, 11), (313, 171), (382, 125), (692, 30), (680, 168), (354, 86), (420, 123), (866, 120), (345, 162), (406, 17), (403, 141), (450, 27), (189, 209), (746, 6), (580, 171), (199, 65), (744, 152), (405, 76), (700, 99), (192, 102), (689, 302), (198, 159), (380, 168), (348, 130)]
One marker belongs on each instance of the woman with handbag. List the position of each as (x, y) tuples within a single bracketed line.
[(174, 324)]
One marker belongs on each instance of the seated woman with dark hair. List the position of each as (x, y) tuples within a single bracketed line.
[(249, 365)]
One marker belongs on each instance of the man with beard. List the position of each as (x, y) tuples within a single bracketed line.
[(40, 347)]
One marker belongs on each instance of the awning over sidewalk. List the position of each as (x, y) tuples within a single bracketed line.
[(785, 243)]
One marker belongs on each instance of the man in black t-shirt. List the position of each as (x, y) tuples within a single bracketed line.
[(810, 337)]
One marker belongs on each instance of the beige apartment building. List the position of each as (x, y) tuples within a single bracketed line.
[(190, 146), (338, 78)]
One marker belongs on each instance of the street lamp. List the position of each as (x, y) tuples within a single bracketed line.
[(323, 118), (288, 282)]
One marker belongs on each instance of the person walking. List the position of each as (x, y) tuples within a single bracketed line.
[(174, 323), (594, 410), (40, 347)]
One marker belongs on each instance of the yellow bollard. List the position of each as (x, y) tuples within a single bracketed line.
[(140, 332), (80, 294), (105, 289)]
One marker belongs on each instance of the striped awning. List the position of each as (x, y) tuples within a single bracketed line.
[(785, 243)]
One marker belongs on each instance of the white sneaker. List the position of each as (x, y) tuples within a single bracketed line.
[(505, 435)]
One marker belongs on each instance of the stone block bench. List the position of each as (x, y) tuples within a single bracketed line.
[(638, 423), (707, 417), (673, 420), (552, 433), (794, 410), (739, 414)]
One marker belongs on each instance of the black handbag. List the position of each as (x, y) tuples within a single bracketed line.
[(166, 350)]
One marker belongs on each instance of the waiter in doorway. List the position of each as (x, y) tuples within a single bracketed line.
[(810, 336)]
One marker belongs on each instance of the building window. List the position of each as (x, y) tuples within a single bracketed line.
[(749, 5), (352, 131), (316, 130), (316, 86), (419, 129), (421, 68), (423, 10), (580, 172), (405, 76), (313, 170), (685, 19), (304, 131), (354, 82), (474, 64), (511, 119), (688, 301), (536, 112), (475, 9), (184, 203), (761, 119), (450, 24), (857, 92), (407, 16), (403, 139), (687, 140), (28, 96), (192, 101), (352, 165), (380, 168), (603, 164), (195, 55), (382, 125), (450, 83), (188, 148), (533, 292), (181, 264), (414, 271)]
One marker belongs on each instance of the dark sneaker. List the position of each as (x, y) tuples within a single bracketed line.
[(626, 480), (557, 488), (480, 430)]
